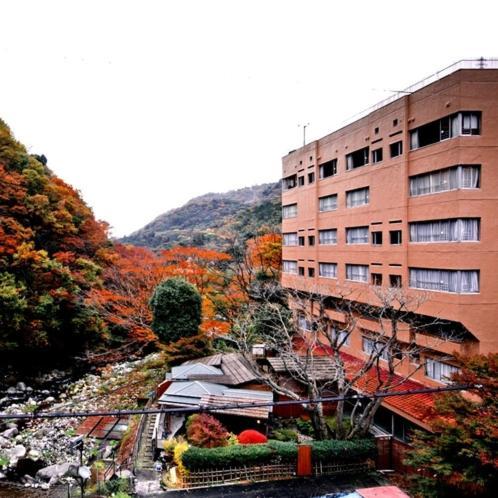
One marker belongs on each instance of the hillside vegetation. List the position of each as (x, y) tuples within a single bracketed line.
[(211, 220), (52, 251)]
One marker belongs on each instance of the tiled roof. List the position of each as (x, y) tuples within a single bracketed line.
[(320, 367), (213, 400), (235, 369), (415, 406)]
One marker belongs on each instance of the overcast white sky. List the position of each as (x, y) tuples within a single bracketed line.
[(142, 105)]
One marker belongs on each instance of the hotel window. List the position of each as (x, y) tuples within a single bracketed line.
[(327, 270), (394, 280), (357, 158), (328, 203), (396, 149), (327, 237), (300, 271), (303, 323), (301, 240), (372, 347), (300, 181), (311, 240), (395, 237), (289, 182), (456, 177), (328, 169), (289, 266), (461, 123), (377, 238), (377, 279), (358, 197), (439, 371), (357, 273), (377, 155), (458, 281), (340, 337), (453, 230), (311, 177), (290, 239), (357, 235), (311, 272), (289, 211)]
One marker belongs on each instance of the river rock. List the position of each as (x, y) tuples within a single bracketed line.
[(10, 433), (4, 442), (2, 475), (57, 470), (49, 400), (21, 386), (18, 451), (11, 390), (34, 455)]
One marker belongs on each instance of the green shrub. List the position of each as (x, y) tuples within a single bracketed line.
[(285, 451), (285, 435), (358, 449), (276, 451), (305, 427), (227, 456)]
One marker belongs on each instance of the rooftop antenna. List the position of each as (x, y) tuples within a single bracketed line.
[(304, 132)]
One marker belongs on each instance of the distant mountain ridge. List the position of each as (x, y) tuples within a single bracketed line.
[(211, 220)]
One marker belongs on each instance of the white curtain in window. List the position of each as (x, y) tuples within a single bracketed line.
[(349, 162), (357, 235), (289, 211), (459, 281), (357, 197), (456, 126), (289, 266), (414, 139), (357, 272), (290, 239), (444, 180), (327, 270), (463, 229), (328, 203), (327, 237)]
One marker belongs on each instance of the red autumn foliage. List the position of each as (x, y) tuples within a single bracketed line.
[(251, 436), (206, 431)]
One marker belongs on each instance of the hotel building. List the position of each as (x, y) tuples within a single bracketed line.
[(406, 196)]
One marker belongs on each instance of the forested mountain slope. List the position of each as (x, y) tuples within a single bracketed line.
[(211, 220)]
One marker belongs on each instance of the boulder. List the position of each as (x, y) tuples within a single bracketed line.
[(11, 390), (34, 455), (56, 471), (18, 451), (21, 386), (2, 475), (4, 442), (10, 433)]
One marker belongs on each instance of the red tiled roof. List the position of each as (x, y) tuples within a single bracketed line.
[(416, 406)]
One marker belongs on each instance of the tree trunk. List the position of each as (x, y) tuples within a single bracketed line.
[(318, 421)]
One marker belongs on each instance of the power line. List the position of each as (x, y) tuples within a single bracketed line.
[(231, 406)]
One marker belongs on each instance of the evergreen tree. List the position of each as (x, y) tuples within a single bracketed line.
[(176, 308)]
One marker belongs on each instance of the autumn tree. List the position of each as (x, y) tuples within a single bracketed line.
[(460, 457), (176, 308), (52, 251)]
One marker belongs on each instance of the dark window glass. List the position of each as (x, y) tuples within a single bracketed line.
[(328, 169), (377, 238), (396, 149), (395, 236)]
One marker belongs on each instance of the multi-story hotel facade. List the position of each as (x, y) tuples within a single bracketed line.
[(406, 196)]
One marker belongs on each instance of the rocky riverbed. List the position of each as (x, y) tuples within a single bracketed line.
[(38, 453)]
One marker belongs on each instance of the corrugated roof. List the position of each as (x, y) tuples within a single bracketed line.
[(107, 427), (184, 371), (212, 400)]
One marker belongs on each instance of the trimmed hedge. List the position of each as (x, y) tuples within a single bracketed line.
[(276, 451), (356, 449)]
